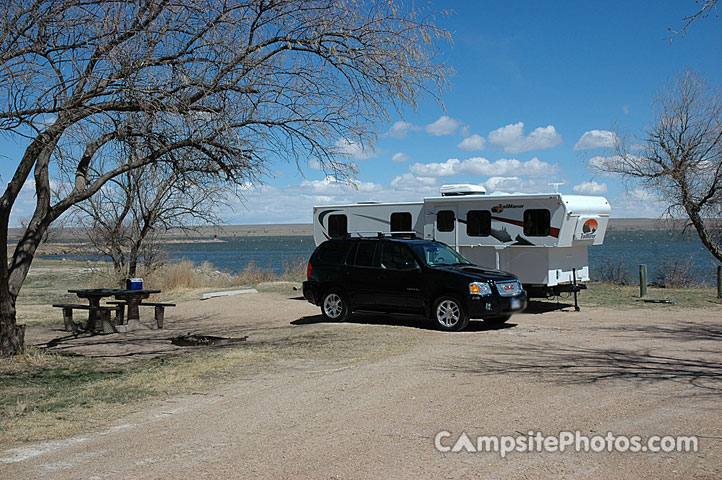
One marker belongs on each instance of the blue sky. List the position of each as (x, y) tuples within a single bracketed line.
[(536, 86)]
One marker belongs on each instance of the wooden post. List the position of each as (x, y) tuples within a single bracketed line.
[(159, 310), (68, 320), (642, 280), (719, 282)]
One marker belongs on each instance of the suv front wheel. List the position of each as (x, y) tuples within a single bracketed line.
[(449, 315), (334, 306)]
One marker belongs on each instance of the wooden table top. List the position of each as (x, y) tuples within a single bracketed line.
[(108, 292)]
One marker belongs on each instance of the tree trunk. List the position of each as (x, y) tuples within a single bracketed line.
[(132, 264), (704, 235), (12, 336)]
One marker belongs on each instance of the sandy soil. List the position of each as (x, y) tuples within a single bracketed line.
[(373, 408)]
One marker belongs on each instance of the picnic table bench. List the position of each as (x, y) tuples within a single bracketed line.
[(159, 309), (106, 323), (124, 298)]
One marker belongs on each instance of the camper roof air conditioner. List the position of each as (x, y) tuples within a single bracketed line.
[(462, 189)]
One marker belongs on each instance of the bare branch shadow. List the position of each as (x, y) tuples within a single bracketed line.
[(682, 331), (579, 365)]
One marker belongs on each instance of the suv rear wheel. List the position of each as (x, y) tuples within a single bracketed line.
[(334, 306), (449, 315)]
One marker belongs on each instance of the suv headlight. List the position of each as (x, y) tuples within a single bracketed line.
[(479, 288)]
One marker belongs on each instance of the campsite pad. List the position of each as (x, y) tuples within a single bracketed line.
[(204, 340)]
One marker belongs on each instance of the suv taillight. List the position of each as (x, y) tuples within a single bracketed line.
[(309, 269)]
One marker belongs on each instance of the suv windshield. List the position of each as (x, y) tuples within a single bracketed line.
[(437, 254)]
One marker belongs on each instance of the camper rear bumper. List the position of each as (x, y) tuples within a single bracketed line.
[(491, 305)]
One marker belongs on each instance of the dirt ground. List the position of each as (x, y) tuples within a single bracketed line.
[(371, 399)]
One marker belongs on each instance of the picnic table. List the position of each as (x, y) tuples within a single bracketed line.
[(132, 298)]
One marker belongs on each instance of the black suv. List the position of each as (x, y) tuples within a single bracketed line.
[(408, 276)]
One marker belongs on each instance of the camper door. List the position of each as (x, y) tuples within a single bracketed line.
[(445, 224)]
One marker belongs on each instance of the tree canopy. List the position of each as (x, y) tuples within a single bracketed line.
[(232, 84)]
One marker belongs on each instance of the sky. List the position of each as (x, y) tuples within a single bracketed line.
[(537, 90)]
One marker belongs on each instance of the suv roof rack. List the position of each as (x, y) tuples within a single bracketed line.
[(393, 234)]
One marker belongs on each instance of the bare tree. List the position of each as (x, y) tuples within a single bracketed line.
[(126, 218), (679, 158), (238, 83)]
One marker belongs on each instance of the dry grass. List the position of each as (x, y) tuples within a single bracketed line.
[(623, 297), (46, 396), (185, 275)]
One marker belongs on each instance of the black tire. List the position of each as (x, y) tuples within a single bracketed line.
[(334, 306), (448, 314), (497, 319)]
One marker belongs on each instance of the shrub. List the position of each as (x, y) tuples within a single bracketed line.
[(612, 271), (675, 274)]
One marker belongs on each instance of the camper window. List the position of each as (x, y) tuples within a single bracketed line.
[(400, 222), (536, 223), (478, 223), (337, 226), (445, 220)]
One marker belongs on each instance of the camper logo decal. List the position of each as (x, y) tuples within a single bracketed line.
[(589, 229), (500, 208)]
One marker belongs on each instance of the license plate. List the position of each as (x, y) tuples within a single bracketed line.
[(515, 303)]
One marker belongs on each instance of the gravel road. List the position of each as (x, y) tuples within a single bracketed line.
[(371, 400)]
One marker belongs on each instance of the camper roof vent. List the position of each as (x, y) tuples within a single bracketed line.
[(461, 189)]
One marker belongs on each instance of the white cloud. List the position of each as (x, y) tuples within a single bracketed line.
[(443, 169), (637, 203), (400, 129), (596, 139), (294, 203), (314, 164), (400, 157), (330, 185), (410, 183), (494, 184), (511, 138), (479, 166), (625, 109), (472, 142), (604, 164), (443, 126), (590, 188), (465, 131), (355, 150), (513, 184)]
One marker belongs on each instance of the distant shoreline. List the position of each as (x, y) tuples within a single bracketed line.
[(210, 234)]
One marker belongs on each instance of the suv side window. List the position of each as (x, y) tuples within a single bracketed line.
[(334, 253), (397, 257), (365, 254)]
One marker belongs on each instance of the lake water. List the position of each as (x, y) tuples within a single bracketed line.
[(654, 248)]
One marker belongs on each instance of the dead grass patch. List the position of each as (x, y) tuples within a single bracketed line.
[(47, 395)]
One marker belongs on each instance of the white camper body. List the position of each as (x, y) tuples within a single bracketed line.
[(541, 238)]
